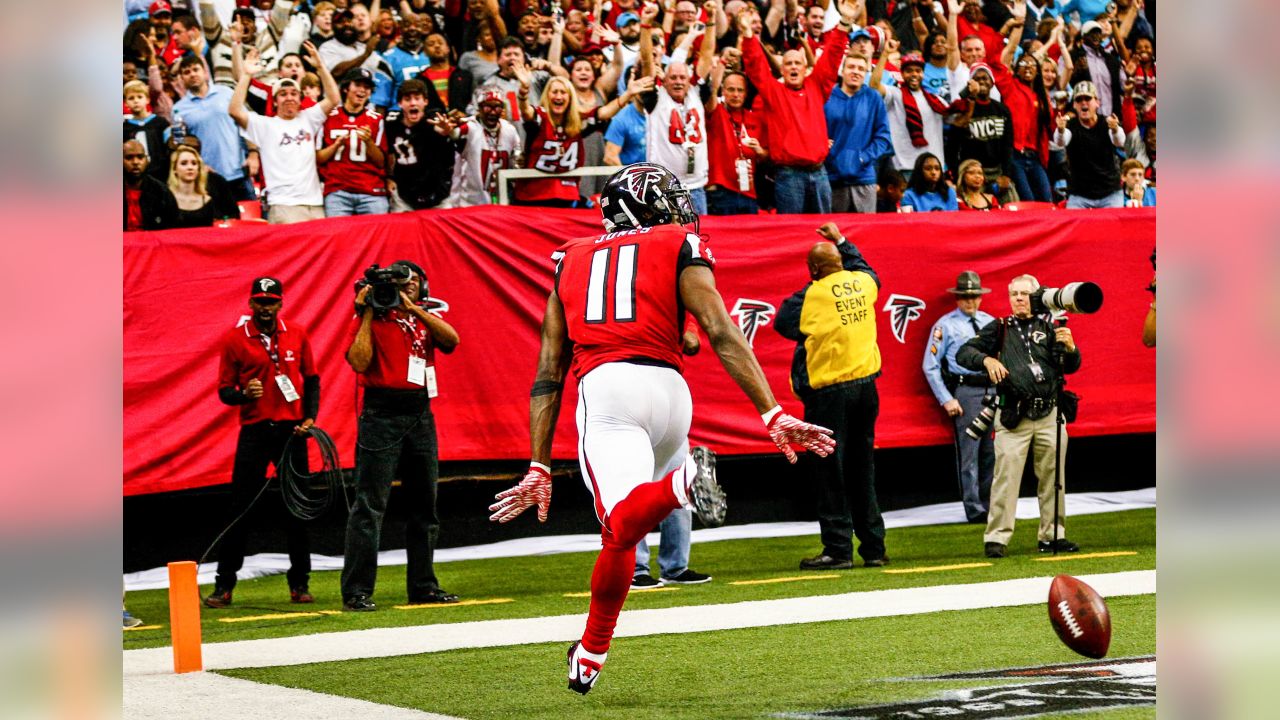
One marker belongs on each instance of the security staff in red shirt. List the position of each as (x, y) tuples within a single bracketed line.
[(393, 351), (268, 371)]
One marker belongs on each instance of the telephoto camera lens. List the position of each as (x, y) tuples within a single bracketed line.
[(981, 425)]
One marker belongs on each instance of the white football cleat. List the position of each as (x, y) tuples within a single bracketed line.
[(584, 668)]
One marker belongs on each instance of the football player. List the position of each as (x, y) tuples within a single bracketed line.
[(616, 314)]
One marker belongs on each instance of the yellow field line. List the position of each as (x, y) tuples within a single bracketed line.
[(796, 578), (274, 616), (664, 588), (490, 601), (937, 568), (1083, 556), (143, 627)]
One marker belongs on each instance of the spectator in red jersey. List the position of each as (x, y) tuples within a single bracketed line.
[(971, 193), (148, 204), (485, 145), (1023, 92), (185, 36), (554, 131), (972, 21), (160, 14), (733, 145), (815, 17), (352, 152), (795, 115), (1141, 70), (287, 142)]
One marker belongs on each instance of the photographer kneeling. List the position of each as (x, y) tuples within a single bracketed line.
[(392, 348), (1025, 357)]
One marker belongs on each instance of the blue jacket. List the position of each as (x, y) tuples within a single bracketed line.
[(930, 201), (858, 126)]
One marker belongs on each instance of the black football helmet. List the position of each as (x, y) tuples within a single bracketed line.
[(645, 195)]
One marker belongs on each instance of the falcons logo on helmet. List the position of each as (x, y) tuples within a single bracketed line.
[(902, 310), (639, 180), (752, 315)]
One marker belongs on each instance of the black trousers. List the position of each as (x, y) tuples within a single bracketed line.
[(259, 445), (845, 480), (391, 443)]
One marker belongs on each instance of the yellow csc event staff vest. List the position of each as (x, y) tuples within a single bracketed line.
[(838, 320)]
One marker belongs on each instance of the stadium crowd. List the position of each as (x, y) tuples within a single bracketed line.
[(291, 110)]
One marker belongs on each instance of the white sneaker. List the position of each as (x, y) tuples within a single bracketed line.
[(584, 668)]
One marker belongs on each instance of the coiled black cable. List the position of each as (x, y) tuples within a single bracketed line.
[(306, 495), (309, 495)]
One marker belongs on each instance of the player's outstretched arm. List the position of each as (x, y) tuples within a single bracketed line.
[(544, 410), (698, 291)]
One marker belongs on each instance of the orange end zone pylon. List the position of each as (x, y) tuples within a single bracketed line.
[(184, 617)]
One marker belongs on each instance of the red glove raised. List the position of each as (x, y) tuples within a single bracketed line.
[(534, 489), (786, 430)]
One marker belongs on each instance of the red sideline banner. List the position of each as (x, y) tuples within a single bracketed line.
[(184, 290)]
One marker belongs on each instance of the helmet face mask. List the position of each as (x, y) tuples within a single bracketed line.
[(645, 195)]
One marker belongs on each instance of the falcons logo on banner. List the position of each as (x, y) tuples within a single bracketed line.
[(902, 310), (639, 180), (752, 315)]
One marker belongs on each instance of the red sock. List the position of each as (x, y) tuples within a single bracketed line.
[(630, 520)]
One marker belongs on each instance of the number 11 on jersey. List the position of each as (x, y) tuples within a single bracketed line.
[(623, 270)]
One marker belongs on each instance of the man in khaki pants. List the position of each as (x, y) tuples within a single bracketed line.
[(1025, 357)]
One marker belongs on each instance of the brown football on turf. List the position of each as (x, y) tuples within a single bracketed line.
[(1080, 617)]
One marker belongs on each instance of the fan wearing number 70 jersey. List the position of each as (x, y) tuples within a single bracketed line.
[(615, 318)]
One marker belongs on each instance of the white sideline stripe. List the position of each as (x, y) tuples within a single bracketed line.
[(207, 695), (264, 564), (396, 641)]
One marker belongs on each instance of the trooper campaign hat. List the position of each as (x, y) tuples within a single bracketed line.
[(968, 284)]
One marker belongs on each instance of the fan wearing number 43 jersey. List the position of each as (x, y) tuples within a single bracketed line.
[(616, 315)]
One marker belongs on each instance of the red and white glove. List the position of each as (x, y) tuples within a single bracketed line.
[(534, 489), (786, 430)]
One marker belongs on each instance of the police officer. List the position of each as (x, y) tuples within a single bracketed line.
[(267, 370), (960, 392), (834, 371), (1025, 357), (393, 351)]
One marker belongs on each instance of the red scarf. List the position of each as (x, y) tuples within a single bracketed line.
[(915, 121)]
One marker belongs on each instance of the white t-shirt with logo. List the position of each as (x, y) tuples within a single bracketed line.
[(288, 152), (672, 130)]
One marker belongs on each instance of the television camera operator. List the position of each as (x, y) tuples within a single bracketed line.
[(1026, 357), (392, 346)]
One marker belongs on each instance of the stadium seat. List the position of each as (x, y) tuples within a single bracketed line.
[(232, 222), (250, 210), (1030, 205)]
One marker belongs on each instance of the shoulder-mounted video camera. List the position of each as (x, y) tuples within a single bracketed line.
[(385, 284)]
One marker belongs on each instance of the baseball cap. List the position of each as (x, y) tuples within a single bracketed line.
[(413, 86), (267, 287), (283, 83), (968, 284), (627, 18), (1090, 27), (591, 48), (876, 35), (911, 59), (159, 6), (1084, 88), (358, 74)]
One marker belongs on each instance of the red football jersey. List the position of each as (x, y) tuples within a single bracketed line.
[(725, 132), (550, 149), (621, 296), (350, 169)]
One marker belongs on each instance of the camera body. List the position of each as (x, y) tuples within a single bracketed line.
[(981, 425), (385, 284), (1076, 297)]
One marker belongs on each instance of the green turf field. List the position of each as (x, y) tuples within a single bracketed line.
[(728, 674), (537, 585)]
